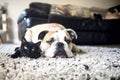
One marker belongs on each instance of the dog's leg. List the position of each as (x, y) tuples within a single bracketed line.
[(76, 50)]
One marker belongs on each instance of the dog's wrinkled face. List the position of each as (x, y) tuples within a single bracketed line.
[(57, 43)]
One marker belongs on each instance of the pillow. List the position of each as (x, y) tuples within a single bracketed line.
[(79, 11), (58, 9), (71, 10), (112, 15)]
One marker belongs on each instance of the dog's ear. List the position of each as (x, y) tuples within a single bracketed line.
[(42, 34), (72, 33)]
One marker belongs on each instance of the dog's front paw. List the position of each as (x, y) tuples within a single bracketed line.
[(81, 51)]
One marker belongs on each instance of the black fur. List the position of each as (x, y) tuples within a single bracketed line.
[(42, 34), (27, 49)]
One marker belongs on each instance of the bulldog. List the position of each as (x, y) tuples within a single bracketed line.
[(56, 40)]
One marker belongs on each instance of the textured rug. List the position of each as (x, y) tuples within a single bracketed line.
[(99, 63)]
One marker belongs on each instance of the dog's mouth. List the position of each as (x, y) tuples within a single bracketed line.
[(60, 51), (60, 54)]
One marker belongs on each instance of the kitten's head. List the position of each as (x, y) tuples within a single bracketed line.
[(30, 49)]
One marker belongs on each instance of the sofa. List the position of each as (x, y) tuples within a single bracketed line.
[(94, 26)]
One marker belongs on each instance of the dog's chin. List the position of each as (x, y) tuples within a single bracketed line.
[(60, 54), (58, 50), (56, 53)]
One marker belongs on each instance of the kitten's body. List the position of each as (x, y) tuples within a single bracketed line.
[(27, 49)]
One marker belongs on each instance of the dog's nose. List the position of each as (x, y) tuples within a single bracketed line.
[(60, 44)]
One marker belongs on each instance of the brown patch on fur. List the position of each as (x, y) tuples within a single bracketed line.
[(110, 15)]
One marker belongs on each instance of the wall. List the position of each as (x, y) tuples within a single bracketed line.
[(15, 7)]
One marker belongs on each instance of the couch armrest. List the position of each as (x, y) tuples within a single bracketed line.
[(29, 22), (32, 13)]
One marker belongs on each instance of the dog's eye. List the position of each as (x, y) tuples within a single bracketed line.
[(68, 41), (50, 41)]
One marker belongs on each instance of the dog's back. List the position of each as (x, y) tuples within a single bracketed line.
[(32, 33)]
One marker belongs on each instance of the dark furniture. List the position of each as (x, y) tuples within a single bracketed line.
[(90, 31)]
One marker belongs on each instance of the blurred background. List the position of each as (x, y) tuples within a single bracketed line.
[(11, 9)]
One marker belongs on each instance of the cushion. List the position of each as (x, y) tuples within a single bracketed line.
[(71, 10), (86, 24), (41, 6)]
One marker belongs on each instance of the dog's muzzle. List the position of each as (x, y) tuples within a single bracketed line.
[(60, 51)]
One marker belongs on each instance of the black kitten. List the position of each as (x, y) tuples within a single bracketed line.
[(27, 49)]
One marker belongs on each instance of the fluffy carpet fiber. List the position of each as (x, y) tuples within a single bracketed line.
[(99, 63)]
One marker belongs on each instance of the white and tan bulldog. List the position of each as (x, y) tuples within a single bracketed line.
[(56, 40)]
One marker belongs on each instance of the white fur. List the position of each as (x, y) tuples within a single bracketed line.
[(59, 36)]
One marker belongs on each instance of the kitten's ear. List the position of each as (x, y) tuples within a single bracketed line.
[(38, 43), (42, 35), (24, 40)]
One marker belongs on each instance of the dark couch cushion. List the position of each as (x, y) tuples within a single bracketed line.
[(86, 24), (34, 21), (41, 6), (97, 38)]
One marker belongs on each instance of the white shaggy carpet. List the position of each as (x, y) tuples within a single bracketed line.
[(99, 63)]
